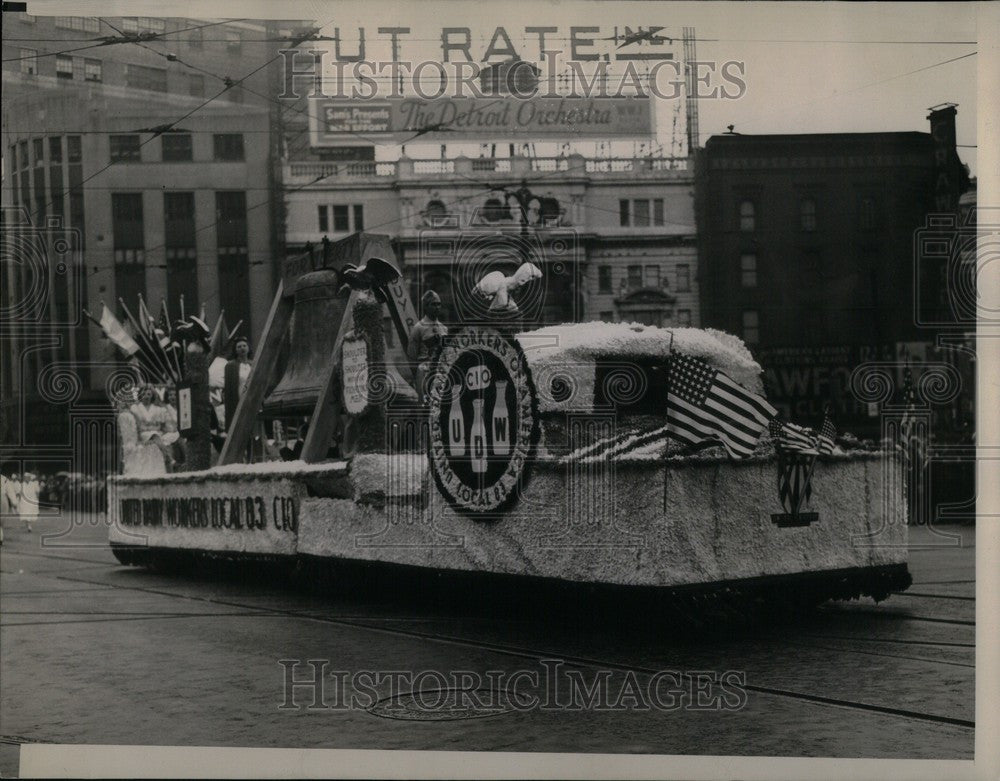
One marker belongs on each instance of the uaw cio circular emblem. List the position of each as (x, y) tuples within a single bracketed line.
[(483, 420)]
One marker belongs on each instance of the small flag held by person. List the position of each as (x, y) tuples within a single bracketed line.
[(703, 403)]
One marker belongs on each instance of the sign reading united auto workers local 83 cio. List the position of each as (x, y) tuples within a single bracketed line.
[(483, 420), (339, 122)]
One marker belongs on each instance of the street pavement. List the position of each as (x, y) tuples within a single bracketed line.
[(95, 652)]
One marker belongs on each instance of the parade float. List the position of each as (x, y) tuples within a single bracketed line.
[(613, 455)]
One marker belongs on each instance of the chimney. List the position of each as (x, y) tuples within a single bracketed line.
[(950, 176)]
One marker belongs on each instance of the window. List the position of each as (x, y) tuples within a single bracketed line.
[(751, 326), (867, 217), (435, 210), (234, 282), (196, 85), (182, 273), (176, 147), (811, 268), (22, 149), (604, 279), (146, 78), (634, 277), (324, 219), (194, 35), (683, 278), (640, 209), (126, 217), (125, 149), (232, 41), (748, 270), (92, 70), (233, 257), (228, 146), (340, 217), (79, 23), (129, 246), (181, 255), (231, 218), (359, 217), (64, 66), (640, 213), (684, 318), (29, 62), (38, 147), (647, 317), (748, 216), (652, 277), (607, 317), (149, 24), (73, 149), (807, 214), (177, 207)]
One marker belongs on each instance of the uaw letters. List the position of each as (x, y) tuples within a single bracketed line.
[(252, 513)]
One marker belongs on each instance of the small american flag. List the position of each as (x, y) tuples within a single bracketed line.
[(703, 403), (793, 438), (827, 435)]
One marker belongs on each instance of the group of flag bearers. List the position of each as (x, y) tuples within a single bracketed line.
[(156, 345)]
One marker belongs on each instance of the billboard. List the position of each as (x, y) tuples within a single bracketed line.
[(398, 120)]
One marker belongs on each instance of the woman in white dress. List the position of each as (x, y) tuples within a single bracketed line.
[(13, 496), (28, 508), (150, 424)]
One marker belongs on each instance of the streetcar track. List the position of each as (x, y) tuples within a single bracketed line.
[(109, 613), (937, 596), (154, 617), (536, 655), (891, 640), (895, 616), (940, 582), (43, 591), (876, 653)]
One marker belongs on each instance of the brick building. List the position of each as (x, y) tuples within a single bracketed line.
[(806, 249)]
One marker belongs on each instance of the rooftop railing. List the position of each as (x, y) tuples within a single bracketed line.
[(405, 169)]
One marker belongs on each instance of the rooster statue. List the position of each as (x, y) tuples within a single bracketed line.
[(496, 287)]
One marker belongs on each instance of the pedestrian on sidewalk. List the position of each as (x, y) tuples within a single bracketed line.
[(28, 508)]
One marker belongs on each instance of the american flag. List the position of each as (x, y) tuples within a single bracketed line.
[(703, 403), (827, 435), (793, 438)]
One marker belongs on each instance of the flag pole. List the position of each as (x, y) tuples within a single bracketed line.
[(667, 395), (145, 346), (171, 354)]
